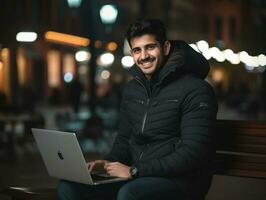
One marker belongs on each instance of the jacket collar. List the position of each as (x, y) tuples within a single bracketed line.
[(182, 59)]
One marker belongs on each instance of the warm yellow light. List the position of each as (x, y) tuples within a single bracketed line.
[(1, 75), (53, 67), (1, 65), (5, 73), (111, 46), (218, 75), (105, 74), (68, 64), (22, 66), (66, 39), (98, 44)]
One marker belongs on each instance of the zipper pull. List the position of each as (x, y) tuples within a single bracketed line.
[(141, 154), (148, 101)]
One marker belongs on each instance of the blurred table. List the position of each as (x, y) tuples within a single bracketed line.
[(13, 126)]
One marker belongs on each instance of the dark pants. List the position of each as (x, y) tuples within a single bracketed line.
[(145, 188)]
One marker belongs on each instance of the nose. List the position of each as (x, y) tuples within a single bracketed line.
[(143, 54)]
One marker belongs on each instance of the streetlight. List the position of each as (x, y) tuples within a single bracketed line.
[(108, 14), (83, 56), (74, 3), (106, 59), (26, 36), (127, 61)]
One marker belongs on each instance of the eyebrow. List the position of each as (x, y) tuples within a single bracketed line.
[(145, 46)]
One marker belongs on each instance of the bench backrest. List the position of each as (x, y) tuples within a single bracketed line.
[(241, 148)]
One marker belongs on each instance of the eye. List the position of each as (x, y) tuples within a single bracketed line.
[(151, 46), (136, 50)]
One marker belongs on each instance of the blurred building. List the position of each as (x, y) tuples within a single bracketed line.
[(51, 61)]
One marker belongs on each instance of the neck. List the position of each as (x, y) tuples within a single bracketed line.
[(148, 77)]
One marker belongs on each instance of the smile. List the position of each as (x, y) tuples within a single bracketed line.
[(147, 63)]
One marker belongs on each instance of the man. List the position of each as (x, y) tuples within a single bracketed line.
[(164, 144)]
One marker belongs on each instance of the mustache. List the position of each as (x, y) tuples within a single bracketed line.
[(148, 59)]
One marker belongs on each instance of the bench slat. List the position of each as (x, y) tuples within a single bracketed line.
[(242, 173), (20, 193), (245, 148)]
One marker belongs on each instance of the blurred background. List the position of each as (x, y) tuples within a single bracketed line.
[(63, 65)]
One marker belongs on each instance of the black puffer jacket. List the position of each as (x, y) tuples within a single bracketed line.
[(165, 122)]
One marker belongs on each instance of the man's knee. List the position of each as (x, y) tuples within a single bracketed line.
[(65, 190), (126, 192)]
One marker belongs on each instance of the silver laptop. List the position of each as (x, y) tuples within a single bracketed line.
[(64, 159)]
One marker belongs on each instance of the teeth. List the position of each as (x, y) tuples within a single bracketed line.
[(147, 63)]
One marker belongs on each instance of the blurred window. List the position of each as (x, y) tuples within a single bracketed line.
[(53, 66), (218, 28), (232, 29), (205, 25)]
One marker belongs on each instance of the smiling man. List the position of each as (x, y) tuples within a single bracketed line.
[(148, 53), (164, 146)]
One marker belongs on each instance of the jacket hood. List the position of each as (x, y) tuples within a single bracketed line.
[(182, 59)]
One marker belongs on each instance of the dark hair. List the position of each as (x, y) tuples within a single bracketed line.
[(147, 26)]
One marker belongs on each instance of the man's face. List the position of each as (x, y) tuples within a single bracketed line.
[(148, 54)]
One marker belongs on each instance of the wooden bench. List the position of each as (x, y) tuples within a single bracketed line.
[(241, 148), (241, 151)]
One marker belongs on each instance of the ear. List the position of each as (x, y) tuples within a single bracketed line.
[(131, 52), (166, 47)]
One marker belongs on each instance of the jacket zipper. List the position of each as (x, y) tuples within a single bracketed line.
[(145, 117), (146, 111), (147, 104), (141, 154)]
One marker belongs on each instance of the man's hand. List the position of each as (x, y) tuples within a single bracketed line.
[(117, 169), (97, 163)]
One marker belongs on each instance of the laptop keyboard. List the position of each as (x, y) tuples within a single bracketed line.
[(101, 177)]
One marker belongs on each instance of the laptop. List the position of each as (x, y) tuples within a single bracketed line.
[(64, 159)]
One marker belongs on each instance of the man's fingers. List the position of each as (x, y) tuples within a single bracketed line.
[(110, 167), (107, 164), (110, 171), (111, 164), (90, 166)]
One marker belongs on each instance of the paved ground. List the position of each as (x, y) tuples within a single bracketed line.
[(28, 171)]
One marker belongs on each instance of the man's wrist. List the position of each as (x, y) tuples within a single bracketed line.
[(133, 170)]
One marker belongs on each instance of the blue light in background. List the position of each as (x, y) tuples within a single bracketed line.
[(68, 77), (74, 3)]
